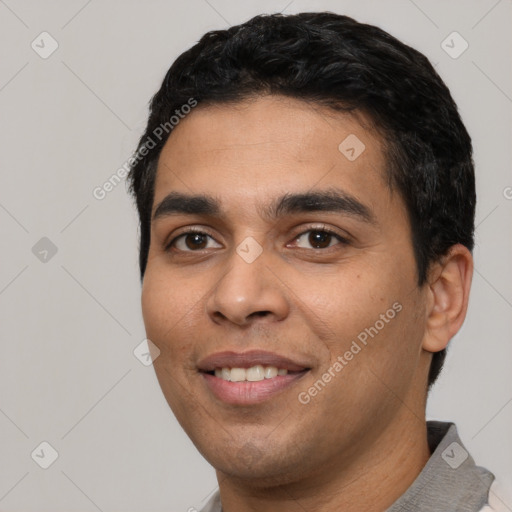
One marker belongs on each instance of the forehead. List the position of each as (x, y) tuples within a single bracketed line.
[(266, 146)]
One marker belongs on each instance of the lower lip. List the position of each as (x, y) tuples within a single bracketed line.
[(247, 393)]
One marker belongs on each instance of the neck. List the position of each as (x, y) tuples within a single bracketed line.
[(372, 482)]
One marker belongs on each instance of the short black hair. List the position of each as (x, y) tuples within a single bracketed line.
[(335, 61)]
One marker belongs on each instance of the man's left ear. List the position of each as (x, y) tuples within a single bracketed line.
[(449, 283)]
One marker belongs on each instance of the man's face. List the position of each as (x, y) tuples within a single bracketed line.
[(315, 282)]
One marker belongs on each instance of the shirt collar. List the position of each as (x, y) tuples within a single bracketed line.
[(450, 480)]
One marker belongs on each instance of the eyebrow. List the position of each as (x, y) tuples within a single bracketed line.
[(330, 200)]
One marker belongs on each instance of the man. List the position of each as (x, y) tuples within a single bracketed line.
[(306, 195)]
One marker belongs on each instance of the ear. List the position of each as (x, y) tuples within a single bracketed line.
[(449, 284)]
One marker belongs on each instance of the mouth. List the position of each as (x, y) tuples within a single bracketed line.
[(255, 373), (249, 377)]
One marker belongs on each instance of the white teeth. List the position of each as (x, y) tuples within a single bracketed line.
[(238, 374), (252, 374), (255, 373), (270, 371)]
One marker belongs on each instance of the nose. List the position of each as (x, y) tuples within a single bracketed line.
[(248, 291)]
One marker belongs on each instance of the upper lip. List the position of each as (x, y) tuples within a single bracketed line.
[(231, 359)]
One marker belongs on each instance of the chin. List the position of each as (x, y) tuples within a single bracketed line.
[(263, 465)]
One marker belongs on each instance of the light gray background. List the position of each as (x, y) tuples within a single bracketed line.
[(68, 375)]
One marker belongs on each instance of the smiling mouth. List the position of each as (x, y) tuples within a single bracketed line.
[(250, 377), (255, 373), (250, 386)]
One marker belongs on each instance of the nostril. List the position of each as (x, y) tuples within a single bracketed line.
[(260, 313)]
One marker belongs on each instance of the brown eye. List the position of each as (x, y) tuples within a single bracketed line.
[(191, 241), (319, 239), (195, 240)]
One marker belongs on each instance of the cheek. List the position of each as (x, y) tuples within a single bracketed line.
[(168, 305), (342, 304), (154, 301), (370, 319)]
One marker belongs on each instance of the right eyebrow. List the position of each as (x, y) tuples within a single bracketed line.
[(177, 203)]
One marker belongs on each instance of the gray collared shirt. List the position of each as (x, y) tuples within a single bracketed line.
[(449, 482)]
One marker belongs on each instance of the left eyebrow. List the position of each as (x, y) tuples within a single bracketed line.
[(330, 200)]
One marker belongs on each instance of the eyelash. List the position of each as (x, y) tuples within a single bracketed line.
[(320, 229)]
